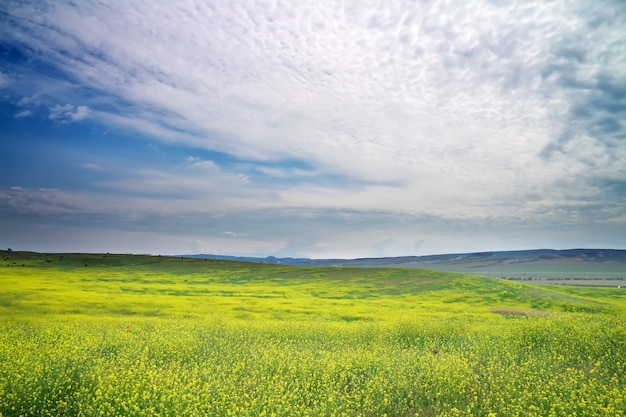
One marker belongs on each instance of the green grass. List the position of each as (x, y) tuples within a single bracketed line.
[(101, 335)]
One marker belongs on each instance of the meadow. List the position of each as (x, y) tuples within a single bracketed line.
[(121, 335)]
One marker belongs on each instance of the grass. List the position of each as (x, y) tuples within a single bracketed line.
[(101, 335)]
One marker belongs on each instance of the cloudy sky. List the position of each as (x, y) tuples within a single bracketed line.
[(312, 128)]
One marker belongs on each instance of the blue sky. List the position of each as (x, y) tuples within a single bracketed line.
[(312, 128)]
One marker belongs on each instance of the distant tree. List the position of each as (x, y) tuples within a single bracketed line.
[(9, 250)]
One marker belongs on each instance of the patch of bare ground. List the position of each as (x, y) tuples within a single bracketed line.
[(520, 312)]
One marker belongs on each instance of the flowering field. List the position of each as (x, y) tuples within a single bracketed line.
[(98, 335)]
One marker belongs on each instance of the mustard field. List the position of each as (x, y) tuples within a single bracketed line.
[(119, 335)]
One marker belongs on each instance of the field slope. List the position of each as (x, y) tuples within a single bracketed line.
[(598, 267), (89, 334)]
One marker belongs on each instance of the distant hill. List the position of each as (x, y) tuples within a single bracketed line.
[(537, 264)]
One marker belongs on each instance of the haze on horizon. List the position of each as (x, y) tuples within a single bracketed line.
[(313, 129)]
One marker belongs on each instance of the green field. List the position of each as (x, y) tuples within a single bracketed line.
[(121, 335)]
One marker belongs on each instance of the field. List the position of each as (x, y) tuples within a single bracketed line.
[(120, 335), (598, 267)]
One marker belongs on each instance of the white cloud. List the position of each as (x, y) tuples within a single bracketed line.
[(80, 113), (4, 80), (90, 166), (377, 83), (231, 234), (481, 110), (66, 113), (60, 111), (23, 113)]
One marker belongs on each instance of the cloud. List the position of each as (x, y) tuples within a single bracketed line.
[(91, 166), (80, 113), (4, 80), (23, 113), (60, 112), (491, 112), (66, 113), (308, 231), (284, 90), (233, 234)]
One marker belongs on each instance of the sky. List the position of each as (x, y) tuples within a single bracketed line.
[(312, 128)]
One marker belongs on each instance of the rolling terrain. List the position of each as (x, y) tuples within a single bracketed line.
[(158, 281), (133, 335), (600, 267)]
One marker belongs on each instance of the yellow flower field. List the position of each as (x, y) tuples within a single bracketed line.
[(141, 336)]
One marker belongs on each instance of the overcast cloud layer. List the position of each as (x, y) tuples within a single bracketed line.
[(312, 128)]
